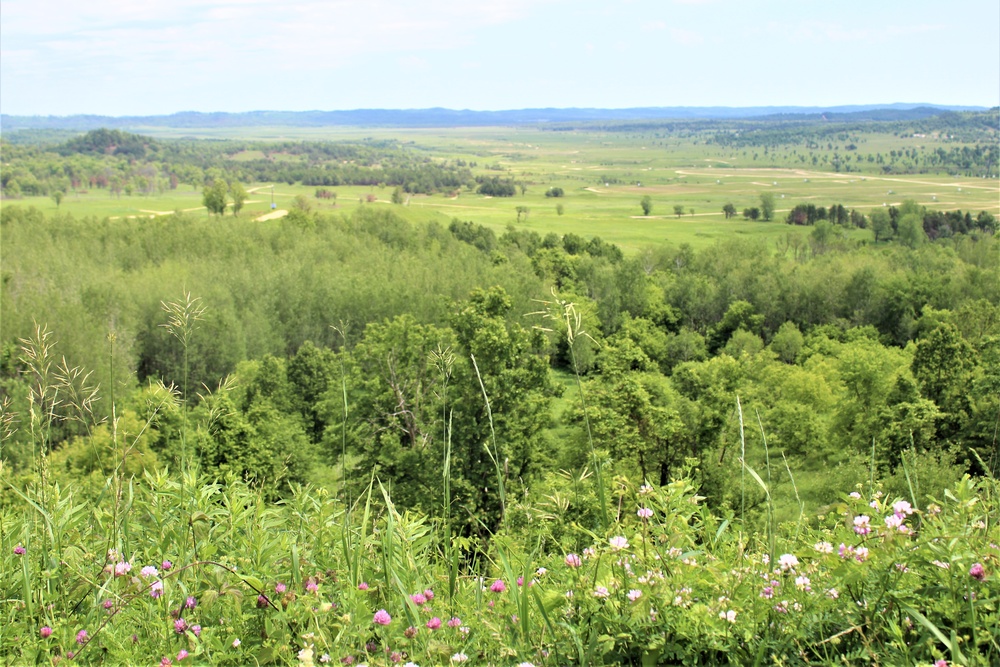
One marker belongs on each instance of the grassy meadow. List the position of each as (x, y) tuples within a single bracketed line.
[(604, 175)]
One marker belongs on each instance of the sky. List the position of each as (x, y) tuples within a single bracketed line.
[(154, 57)]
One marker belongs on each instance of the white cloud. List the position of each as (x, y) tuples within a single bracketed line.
[(686, 37)]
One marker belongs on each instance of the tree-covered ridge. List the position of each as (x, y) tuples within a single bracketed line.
[(123, 162)]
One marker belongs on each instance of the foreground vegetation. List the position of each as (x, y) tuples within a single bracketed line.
[(173, 570)]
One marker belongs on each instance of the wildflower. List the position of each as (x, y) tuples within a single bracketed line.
[(166, 565), (19, 550), (541, 571), (520, 581), (459, 657), (262, 601), (181, 655), (191, 602), (280, 588), (943, 566), (311, 585), (396, 656), (454, 622), (434, 623), (634, 595), (873, 504), (855, 495), (941, 663), (180, 626), (45, 632), (765, 559), (410, 632), (411, 664), (589, 552), (196, 630), (823, 547), (108, 604), (363, 586), (787, 562), (902, 567), (832, 593), (382, 617), (861, 554), (845, 551), (861, 526), (306, 657), (429, 594), (419, 599), (977, 572), (498, 586), (767, 593), (728, 616), (802, 583), (618, 543), (902, 507), (122, 568), (236, 643), (645, 490), (166, 662), (156, 590), (644, 512), (525, 664), (148, 572), (81, 637), (572, 560), (601, 592), (325, 657)]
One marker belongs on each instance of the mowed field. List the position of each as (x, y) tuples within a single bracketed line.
[(604, 175)]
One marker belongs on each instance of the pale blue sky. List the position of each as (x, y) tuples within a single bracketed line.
[(143, 57)]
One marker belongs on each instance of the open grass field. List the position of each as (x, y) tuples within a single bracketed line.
[(604, 175)]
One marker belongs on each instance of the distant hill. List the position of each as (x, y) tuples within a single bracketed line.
[(439, 117)]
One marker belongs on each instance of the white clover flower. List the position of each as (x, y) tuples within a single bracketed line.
[(823, 547), (787, 562)]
